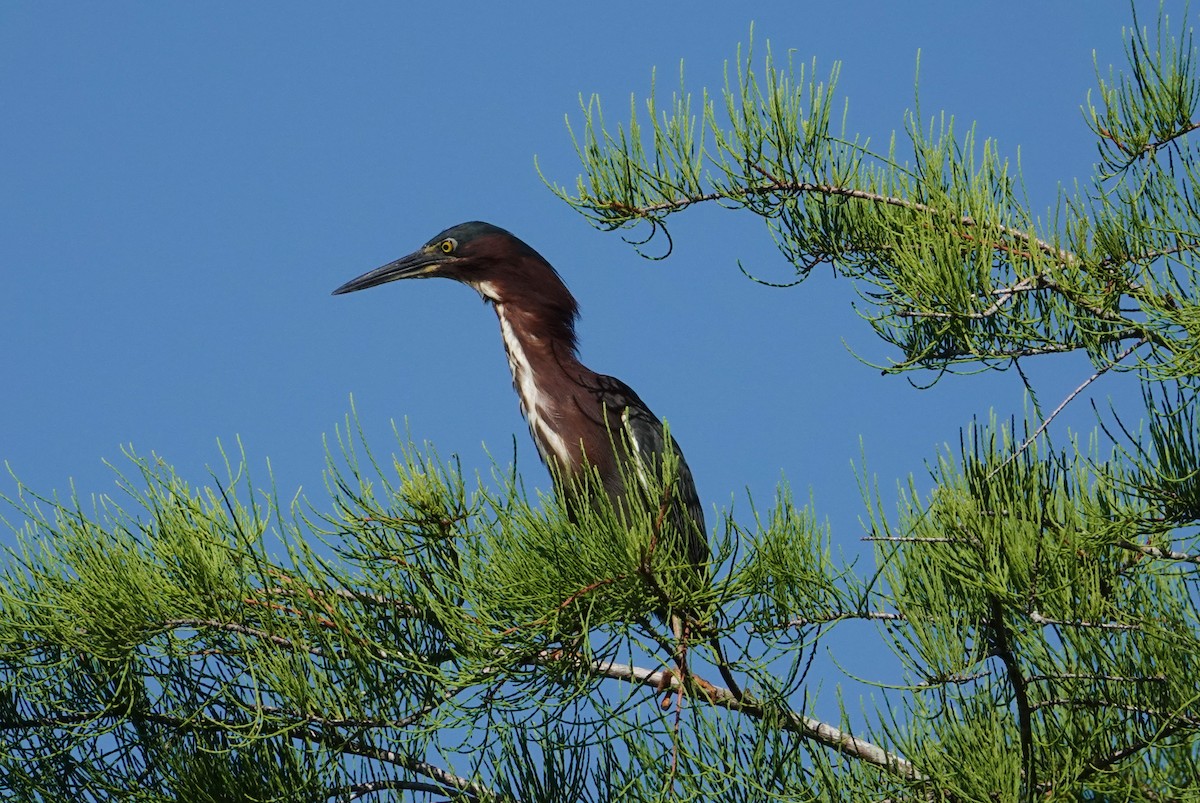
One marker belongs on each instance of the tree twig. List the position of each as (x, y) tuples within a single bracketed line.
[(1104, 762), (243, 630), (445, 779), (1037, 618), (913, 539), (835, 616), (356, 747), (1161, 554), (1070, 397)]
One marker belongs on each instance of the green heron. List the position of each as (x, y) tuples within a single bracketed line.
[(577, 417)]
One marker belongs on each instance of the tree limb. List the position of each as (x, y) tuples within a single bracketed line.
[(809, 728), (777, 185)]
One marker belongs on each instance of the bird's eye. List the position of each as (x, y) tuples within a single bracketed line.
[(448, 245)]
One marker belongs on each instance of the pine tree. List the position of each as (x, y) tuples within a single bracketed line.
[(424, 636)]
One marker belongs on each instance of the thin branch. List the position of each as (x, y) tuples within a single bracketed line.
[(957, 680), (355, 596), (445, 779), (1070, 397), (262, 634), (1055, 348), (1027, 285), (231, 627), (204, 723), (835, 616), (1147, 256), (1037, 618), (357, 747), (355, 791), (1071, 295), (1181, 721), (63, 720), (1150, 147), (1162, 554), (912, 539), (1109, 678), (365, 724), (1104, 762)]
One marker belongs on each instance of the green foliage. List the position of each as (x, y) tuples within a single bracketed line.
[(956, 269), (1023, 595), (422, 635), (428, 634), (1043, 602)]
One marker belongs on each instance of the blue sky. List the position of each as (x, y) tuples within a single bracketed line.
[(185, 184)]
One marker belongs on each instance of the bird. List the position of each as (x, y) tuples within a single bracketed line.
[(580, 421)]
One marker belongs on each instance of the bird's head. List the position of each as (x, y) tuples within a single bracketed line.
[(481, 255)]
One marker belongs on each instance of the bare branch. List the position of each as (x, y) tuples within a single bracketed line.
[(1037, 618), (358, 747), (355, 791), (1070, 397), (1162, 554), (1108, 678), (912, 539), (835, 616), (809, 728), (943, 680)]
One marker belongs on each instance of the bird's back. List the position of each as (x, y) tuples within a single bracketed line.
[(640, 445)]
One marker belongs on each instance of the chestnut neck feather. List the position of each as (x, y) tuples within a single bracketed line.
[(533, 293), (537, 323)]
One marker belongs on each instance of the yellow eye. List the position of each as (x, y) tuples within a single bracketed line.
[(448, 245)]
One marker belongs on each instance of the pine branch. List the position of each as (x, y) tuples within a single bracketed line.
[(1179, 720), (1162, 554), (1149, 148), (809, 728), (1037, 618), (243, 630), (1060, 676), (358, 790), (1102, 763), (1004, 649), (776, 186), (447, 780), (837, 616), (1062, 406)]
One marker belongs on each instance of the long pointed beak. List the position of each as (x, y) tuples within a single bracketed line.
[(418, 264)]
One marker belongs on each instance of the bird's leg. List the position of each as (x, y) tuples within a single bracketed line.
[(679, 628), (679, 625)]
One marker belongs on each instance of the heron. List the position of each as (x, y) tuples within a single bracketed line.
[(580, 421)]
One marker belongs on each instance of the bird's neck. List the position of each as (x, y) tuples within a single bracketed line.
[(546, 374)]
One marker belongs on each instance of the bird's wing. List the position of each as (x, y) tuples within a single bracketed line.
[(648, 443)]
